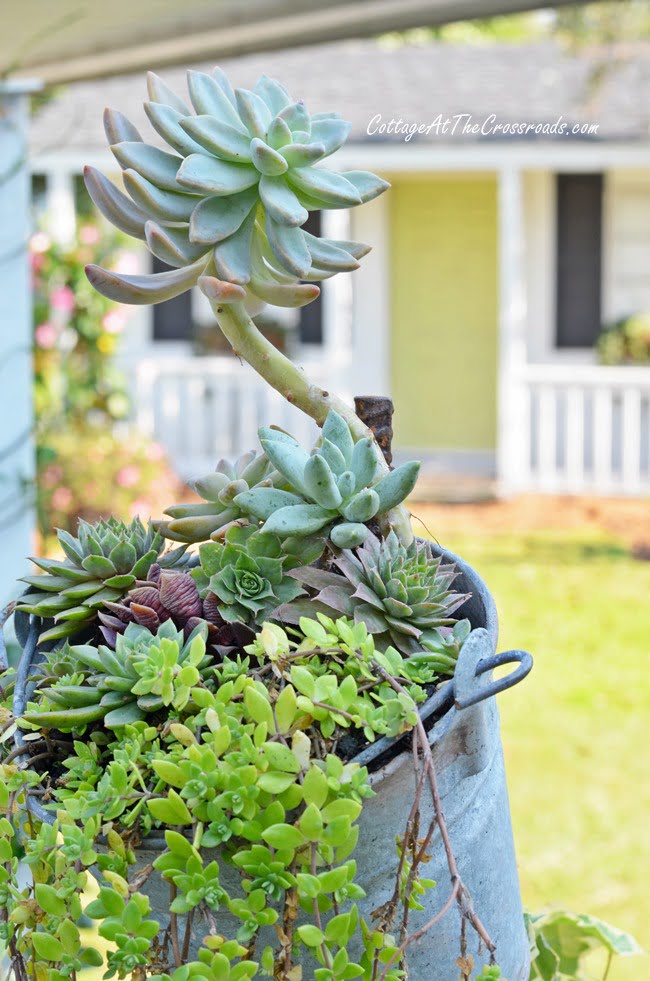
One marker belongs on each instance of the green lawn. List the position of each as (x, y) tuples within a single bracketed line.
[(576, 731)]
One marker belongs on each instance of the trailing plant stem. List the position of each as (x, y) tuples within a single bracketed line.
[(291, 382)]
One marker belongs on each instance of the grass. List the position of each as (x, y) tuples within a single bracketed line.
[(575, 732)]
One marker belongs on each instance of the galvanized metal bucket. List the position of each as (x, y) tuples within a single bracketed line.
[(466, 748)]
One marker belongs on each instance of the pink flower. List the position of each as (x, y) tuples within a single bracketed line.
[(37, 261), (62, 298), (89, 235), (114, 321), (154, 451), (62, 498), (46, 335), (52, 475), (40, 242), (128, 476)]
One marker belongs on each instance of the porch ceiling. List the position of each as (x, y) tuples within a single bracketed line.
[(77, 39)]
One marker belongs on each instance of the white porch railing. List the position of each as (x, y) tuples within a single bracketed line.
[(201, 409), (585, 429)]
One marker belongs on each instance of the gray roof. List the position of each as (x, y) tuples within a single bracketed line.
[(534, 83)]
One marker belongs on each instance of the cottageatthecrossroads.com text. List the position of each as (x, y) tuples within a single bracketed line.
[(465, 124)]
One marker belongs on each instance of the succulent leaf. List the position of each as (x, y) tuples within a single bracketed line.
[(114, 205), (397, 485), (145, 289), (155, 165), (167, 122), (208, 175), (165, 205), (349, 534)]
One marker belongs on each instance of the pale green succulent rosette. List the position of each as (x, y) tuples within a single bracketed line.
[(334, 490), (193, 523), (225, 204), (144, 673)]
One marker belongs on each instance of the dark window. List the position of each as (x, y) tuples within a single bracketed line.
[(311, 317), (83, 204), (172, 320), (579, 258), (39, 197)]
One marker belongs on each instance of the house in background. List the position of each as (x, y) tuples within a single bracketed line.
[(497, 256)]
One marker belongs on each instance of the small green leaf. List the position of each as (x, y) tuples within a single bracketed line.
[(281, 758), (283, 836), (47, 899), (341, 808), (170, 810), (259, 708), (169, 772), (311, 823), (303, 680), (333, 879), (285, 709), (310, 935), (68, 934), (47, 947), (308, 885), (275, 783), (315, 789)]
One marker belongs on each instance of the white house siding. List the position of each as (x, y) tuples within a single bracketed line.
[(626, 282)]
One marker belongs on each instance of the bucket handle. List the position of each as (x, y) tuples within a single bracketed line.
[(475, 660)]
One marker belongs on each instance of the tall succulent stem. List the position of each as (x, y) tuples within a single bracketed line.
[(292, 383)]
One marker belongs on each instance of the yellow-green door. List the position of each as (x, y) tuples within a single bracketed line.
[(443, 243)]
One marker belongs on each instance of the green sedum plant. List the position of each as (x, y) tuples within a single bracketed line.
[(101, 564), (243, 762), (144, 673), (335, 490)]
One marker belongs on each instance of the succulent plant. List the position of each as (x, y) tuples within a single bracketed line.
[(102, 563), (144, 673), (401, 593), (226, 205), (173, 595), (440, 647), (334, 488), (247, 573), (193, 523)]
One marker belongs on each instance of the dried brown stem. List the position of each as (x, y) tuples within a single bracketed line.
[(459, 892), (173, 927)]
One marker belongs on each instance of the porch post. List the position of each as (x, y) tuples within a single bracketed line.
[(371, 315), (513, 424), (17, 465), (61, 211)]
